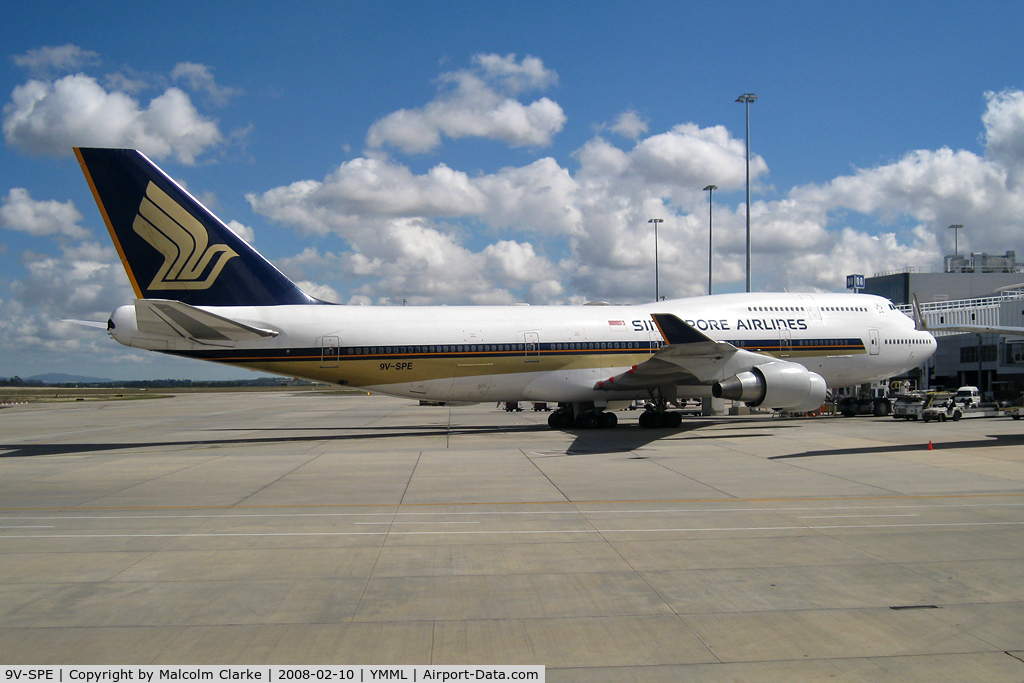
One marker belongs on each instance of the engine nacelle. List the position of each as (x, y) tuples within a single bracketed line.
[(778, 384)]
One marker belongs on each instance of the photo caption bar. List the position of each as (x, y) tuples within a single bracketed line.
[(268, 674)]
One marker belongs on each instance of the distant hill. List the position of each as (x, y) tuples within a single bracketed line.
[(63, 378)]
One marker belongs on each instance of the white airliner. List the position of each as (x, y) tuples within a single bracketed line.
[(204, 293)]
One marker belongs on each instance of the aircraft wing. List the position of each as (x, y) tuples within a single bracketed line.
[(165, 318), (689, 358)]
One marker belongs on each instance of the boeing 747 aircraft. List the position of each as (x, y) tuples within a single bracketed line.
[(204, 293)]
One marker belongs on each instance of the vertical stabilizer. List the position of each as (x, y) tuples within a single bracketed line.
[(173, 247)]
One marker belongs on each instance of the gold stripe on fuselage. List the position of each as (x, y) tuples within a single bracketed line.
[(413, 368), (385, 369)]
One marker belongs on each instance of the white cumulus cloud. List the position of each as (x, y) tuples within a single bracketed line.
[(629, 125), (555, 234), (478, 102), (40, 218), (84, 282), (50, 117), (1004, 131), (403, 227), (693, 156), (243, 231), (199, 78), (538, 197), (44, 61)]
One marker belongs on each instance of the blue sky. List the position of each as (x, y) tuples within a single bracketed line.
[(492, 153)]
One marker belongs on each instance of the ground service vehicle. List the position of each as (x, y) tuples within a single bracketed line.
[(864, 404), (909, 406), (940, 406), (968, 396)]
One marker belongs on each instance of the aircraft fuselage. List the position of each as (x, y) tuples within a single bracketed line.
[(549, 353)]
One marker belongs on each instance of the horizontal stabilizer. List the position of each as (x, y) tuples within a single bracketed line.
[(169, 318), (98, 324)]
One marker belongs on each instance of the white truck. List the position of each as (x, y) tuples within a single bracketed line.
[(968, 396)]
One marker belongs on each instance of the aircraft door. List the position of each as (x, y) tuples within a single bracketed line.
[(331, 350), (873, 346), (656, 341), (785, 342), (532, 340)]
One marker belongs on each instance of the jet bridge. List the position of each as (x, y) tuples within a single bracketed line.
[(1005, 309)]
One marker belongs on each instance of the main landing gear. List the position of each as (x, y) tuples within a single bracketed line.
[(588, 416), (652, 418), (593, 418), (657, 416)]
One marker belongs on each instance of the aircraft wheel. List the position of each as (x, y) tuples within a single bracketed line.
[(609, 420), (648, 419), (673, 420), (589, 420), (559, 420)]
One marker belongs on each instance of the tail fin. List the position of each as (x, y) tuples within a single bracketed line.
[(172, 246)]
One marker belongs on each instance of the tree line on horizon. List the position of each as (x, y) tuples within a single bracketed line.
[(16, 381)]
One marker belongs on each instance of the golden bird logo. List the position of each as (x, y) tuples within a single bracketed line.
[(182, 240)]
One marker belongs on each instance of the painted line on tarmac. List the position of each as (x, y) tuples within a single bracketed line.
[(397, 521), (513, 513), (517, 531), (947, 496), (853, 516)]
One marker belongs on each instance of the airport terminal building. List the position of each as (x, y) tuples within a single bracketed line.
[(976, 290)]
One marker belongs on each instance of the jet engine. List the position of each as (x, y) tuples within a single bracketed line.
[(778, 384)]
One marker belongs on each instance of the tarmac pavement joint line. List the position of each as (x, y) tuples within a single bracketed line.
[(498, 503)]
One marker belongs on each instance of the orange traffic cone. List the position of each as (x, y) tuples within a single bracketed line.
[(930, 446)]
